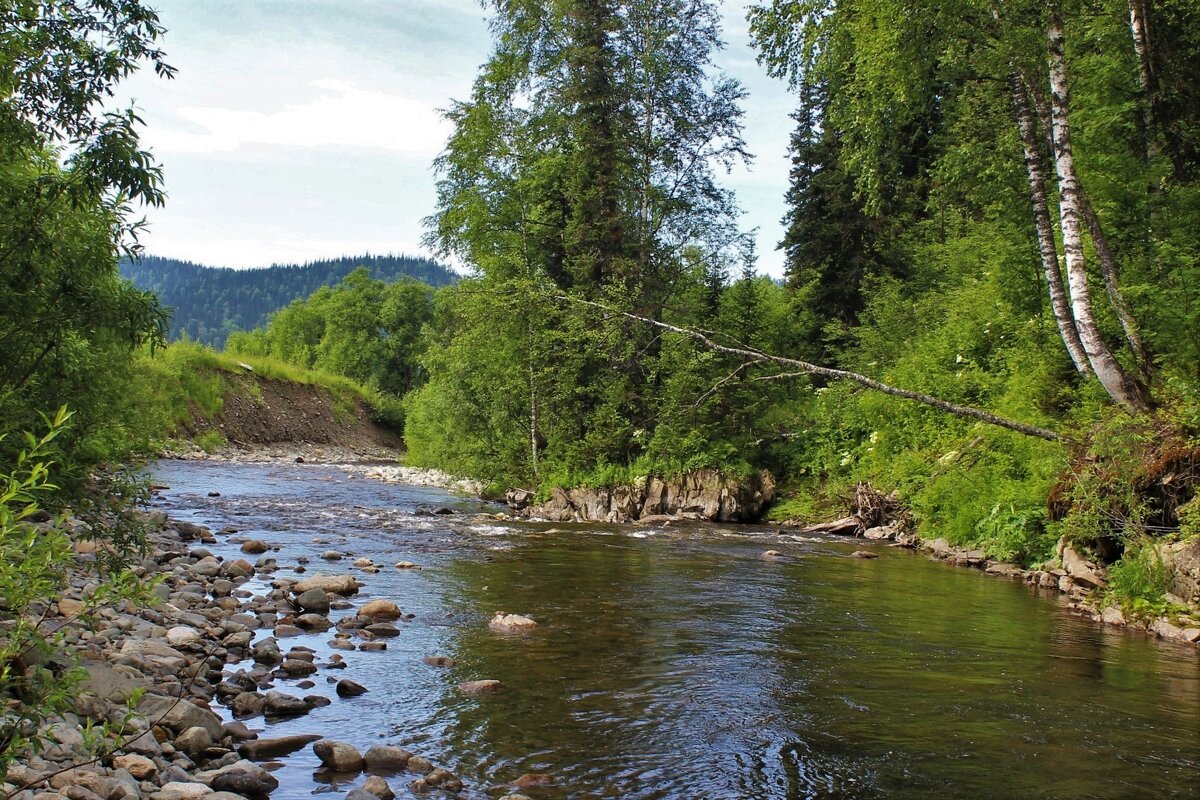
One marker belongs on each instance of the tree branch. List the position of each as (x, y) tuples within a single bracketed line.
[(806, 368)]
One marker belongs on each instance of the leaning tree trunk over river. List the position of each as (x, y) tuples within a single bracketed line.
[(804, 368), (1119, 384)]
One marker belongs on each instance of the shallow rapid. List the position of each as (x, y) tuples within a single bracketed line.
[(676, 663)]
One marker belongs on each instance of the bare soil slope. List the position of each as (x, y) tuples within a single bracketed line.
[(261, 411)]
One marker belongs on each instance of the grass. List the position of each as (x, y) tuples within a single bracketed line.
[(187, 379)]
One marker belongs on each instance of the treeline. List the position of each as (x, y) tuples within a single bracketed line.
[(990, 209), (209, 303)]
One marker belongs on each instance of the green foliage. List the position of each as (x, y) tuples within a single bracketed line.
[(364, 329), (36, 678), (209, 441), (1139, 580)]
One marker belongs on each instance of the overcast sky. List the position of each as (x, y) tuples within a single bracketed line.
[(300, 129)]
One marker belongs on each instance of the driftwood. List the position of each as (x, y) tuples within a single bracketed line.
[(843, 525)]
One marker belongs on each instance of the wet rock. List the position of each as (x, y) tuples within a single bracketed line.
[(439, 661), (313, 622), (378, 787), (386, 758), (530, 779), (255, 547), (246, 779), (511, 623), (383, 629), (334, 584), (247, 704), (267, 652), (331, 555), (298, 669), (1112, 616), (338, 756), (406, 565), (284, 705), (315, 601), (372, 647), (864, 554), (1163, 628), (349, 688), (363, 562), (238, 730), (264, 749), (771, 555), (238, 569), (316, 700), (283, 629), (480, 688), (342, 644), (419, 765), (380, 609), (443, 779)]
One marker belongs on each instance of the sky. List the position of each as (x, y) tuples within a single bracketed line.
[(303, 129)]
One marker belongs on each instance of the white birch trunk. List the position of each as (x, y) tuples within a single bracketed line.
[(1116, 381), (1045, 229)]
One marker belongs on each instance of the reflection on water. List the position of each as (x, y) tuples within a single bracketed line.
[(679, 665)]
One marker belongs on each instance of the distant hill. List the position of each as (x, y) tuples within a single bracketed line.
[(211, 302)]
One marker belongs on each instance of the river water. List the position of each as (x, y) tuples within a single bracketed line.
[(675, 663)]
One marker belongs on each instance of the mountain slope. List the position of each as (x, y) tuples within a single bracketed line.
[(211, 302)]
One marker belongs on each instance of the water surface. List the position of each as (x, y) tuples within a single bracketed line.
[(675, 663)]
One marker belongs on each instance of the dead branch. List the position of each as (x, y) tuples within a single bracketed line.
[(805, 369)]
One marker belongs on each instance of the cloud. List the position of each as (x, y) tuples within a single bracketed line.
[(338, 115)]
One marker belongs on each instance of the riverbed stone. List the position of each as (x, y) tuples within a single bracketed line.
[(313, 622), (296, 668), (1112, 616), (139, 767), (380, 610), (255, 547), (378, 787), (315, 601), (245, 778), (511, 623), (266, 749), (864, 554), (182, 636), (386, 758), (439, 661), (180, 790), (339, 756), (349, 688), (284, 705), (194, 741), (247, 704), (480, 687), (335, 584), (179, 715)]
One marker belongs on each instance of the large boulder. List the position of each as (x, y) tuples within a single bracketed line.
[(314, 601)]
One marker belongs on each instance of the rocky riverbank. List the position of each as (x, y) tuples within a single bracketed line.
[(146, 725), (703, 494), (1079, 580)]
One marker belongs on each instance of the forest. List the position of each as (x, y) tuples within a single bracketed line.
[(209, 303), (991, 305), (989, 320)]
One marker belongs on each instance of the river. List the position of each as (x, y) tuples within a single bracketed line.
[(676, 663)]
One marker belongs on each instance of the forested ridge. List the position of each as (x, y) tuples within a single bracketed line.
[(208, 303)]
